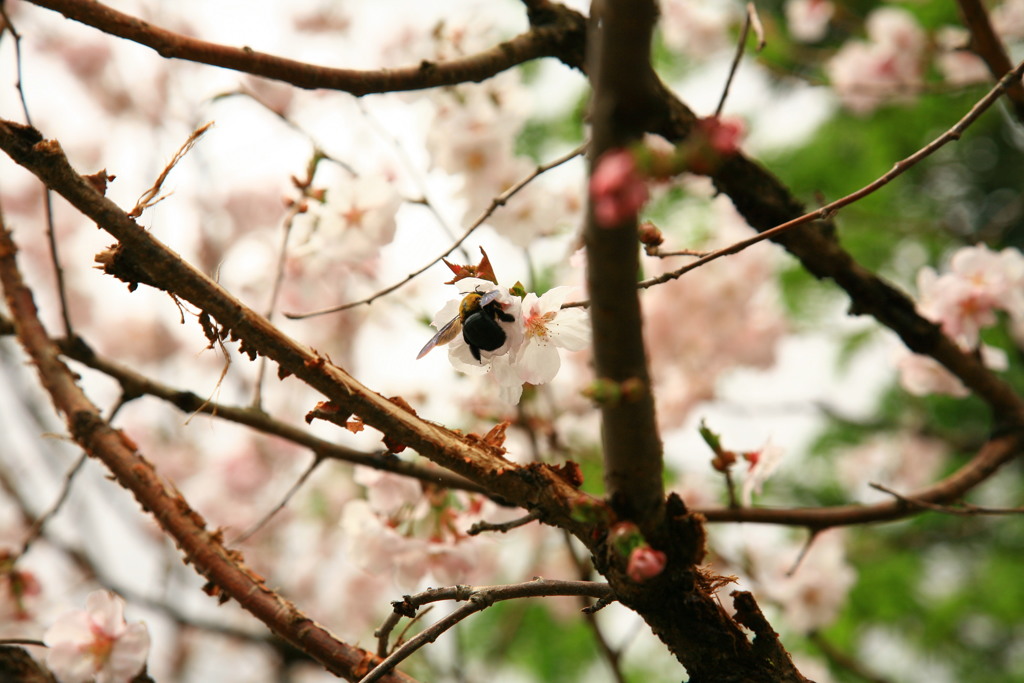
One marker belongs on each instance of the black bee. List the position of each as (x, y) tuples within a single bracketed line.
[(478, 319)]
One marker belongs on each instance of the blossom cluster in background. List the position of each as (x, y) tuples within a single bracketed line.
[(979, 284), (889, 65)]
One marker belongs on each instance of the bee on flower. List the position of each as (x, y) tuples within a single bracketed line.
[(515, 340)]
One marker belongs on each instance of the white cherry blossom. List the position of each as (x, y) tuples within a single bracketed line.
[(546, 328), (96, 643)]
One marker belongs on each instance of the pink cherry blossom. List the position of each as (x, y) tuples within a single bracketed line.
[(959, 66), (617, 188), (539, 327), (723, 133), (979, 283), (696, 29), (887, 67), (1008, 19), (96, 643), (808, 19), (964, 300), (356, 219), (922, 375)]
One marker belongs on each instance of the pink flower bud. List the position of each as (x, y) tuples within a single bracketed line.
[(645, 563), (723, 135), (617, 189)]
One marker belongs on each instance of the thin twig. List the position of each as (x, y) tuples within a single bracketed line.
[(741, 45), (611, 655), (657, 253), (503, 527), (843, 660), (963, 509), (730, 488), (813, 536), (997, 452), (51, 235), (284, 501), (297, 207), (498, 201), (21, 641), (477, 598), (829, 210), (36, 530)]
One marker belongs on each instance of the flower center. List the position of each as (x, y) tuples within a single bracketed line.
[(537, 325)]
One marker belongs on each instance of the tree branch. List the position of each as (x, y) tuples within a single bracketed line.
[(135, 385), (993, 455), (624, 85), (224, 568), (535, 43), (477, 598), (679, 603)]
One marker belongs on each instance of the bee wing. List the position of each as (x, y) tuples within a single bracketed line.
[(488, 297), (443, 336)]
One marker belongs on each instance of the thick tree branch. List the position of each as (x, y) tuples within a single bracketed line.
[(225, 569), (679, 603), (140, 257), (624, 86), (537, 42)]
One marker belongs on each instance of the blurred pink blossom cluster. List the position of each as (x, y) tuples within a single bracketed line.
[(529, 354), (808, 20), (904, 462), (473, 137), (738, 298), (807, 582), (812, 592), (353, 222), (887, 67), (979, 284), (415, 533), (697, 28)]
